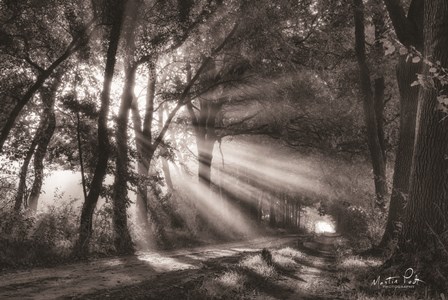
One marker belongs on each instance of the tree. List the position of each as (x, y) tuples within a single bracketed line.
[(425, 217), (49, 99), (123, 241), (204, 126), (85, 230), (80, 34), (374, 130), (38, 148), (409, 30)]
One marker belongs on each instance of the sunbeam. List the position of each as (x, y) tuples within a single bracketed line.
[(219, 211)]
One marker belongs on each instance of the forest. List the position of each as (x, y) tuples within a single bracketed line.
[(224, 149)]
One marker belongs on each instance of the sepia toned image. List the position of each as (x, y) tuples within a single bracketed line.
[(224, 149)]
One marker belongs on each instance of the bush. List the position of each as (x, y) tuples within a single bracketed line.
[(102, 240), (352, 222), (28, 239), (47, 238)]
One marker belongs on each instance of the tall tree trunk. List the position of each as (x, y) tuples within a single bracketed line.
[(122, 239), (85, 230), (376, 151), (24, 170), (204, 126), (80, 154), (142, 190), (164, 152), (49, 98), (205, 157), (425, 217), (206, 137), (146, 151), (406, 73), (379, 84)]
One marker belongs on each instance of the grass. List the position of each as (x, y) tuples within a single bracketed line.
[(251, 273), (353, 263), (256, 264), (227, 284)]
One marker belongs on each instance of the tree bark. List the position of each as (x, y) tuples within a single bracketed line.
[(146, 151), (142, 191), (206, 137), (80, 154), (425, 217), (85, 230), (379, 84), (49, 99), (122, 239), (373, 140), (407, 27), (18, 202), (163, 152), (406, 74)]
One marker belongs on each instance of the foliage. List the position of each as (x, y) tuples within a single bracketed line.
[(29, 240), (351, 221), (47, 238)]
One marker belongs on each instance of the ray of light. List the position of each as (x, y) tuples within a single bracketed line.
[(218, 210), (245, 191), (268, 174)]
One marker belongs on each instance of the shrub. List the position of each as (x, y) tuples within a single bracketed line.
[(47, 238), (352, 222), (28, 239)]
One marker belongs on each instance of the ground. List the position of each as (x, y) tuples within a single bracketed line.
[(294, 267)]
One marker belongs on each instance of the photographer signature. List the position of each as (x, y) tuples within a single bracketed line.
[(408, 280)]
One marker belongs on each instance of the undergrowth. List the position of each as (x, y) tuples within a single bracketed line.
[(253, 272)]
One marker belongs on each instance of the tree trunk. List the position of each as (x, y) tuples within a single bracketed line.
[(406, 74), (205, 158), (49, 99), (204, 127), (24, 170), (425, 217), (122, 240), (146, 149), (376, 151), (206, 138), (163, 152), (85, 230), (379, 84), (80, 154), (142, 190)]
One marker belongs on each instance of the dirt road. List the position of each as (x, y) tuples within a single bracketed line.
[(82, 279)]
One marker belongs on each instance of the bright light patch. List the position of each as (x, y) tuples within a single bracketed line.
[(164, 263), (323, 226)]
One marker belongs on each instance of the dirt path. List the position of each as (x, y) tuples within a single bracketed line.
[(84, 280), (318, 278)]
